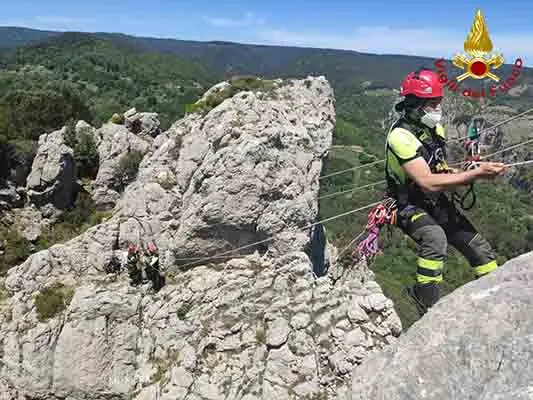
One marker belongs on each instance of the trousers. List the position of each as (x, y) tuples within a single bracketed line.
[(433, 227)]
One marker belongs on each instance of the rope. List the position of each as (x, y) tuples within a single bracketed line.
[(383, 213), (351, 190), (519, 163), (494, 126), (319, 198), (275, 235), (507, 149), (351, 169), (514, 146), (349, 245)]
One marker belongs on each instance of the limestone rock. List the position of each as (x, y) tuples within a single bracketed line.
[(474, 343), (10, 197), (255, 325), (141, 123), (114, 143), (277, 333), (52, 179), (29, 222)]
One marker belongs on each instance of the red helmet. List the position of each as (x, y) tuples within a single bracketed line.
[(132, 248), (152, 248), (423, 83)]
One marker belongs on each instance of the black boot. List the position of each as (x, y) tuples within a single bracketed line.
[(425, 295)]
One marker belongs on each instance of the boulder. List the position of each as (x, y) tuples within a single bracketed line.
[(10, 196), (229, 178), (114, 143), (144, 124), (52, 180), (475, 343)]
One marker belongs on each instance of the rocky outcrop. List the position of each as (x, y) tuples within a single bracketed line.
[(474, 344), (114, 143), (254, 325), (29, 222), (246, 171), (10, 196), (145, 125), (249, 327), (52, 180)]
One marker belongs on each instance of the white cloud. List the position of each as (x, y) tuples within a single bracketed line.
[(386, 40), (247, 20)]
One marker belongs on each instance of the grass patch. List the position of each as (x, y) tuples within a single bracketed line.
[(237, 84), (3, 293), (162, 366), (184, 310), (53, 300), (167, 183), (16, 249), (260, 335), (127, 169), (118, 119)]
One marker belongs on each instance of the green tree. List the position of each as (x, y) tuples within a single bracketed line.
[(86, 156)]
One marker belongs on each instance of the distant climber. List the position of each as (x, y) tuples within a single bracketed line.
[(417, 177), (113, 265), (133, 265), (152, 268)]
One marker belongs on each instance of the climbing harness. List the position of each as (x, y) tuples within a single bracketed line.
[(467, 200), (384, 213)]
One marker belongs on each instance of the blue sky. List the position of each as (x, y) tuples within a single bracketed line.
[(394, 27)]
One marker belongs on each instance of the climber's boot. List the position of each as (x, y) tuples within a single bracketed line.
[(424, 295)]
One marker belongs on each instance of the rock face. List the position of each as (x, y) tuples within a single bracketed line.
[(114, 142), (142, 124), (10, 196), (52, 180), (248, 327), (258, 326), (247, 170), (476, 343)]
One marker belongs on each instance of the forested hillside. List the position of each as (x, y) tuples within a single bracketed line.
[(76, 76), (79, 76)]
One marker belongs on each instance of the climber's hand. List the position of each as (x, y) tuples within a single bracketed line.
[(490, 169)]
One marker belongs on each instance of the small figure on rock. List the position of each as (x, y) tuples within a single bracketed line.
[(152, 268), (133, 265), (113, 266)]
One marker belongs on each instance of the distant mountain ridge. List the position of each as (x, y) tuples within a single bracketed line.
[(231, 58), (12, 37)]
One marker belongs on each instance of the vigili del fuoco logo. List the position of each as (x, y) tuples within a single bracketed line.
[(478, 64)]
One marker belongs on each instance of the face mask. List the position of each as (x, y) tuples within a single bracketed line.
[(431, 117)]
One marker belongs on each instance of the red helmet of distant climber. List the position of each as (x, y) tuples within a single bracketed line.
[(132, 249), (423, 83), (152, 248)]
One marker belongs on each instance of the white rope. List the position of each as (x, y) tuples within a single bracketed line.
[(514, 146), (349, 245), (274, 236), (507, 149), (351, 169), (350, 190), (519, 163), (494, 126)]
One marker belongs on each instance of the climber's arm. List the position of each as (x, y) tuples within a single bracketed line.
[(419, 171)]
